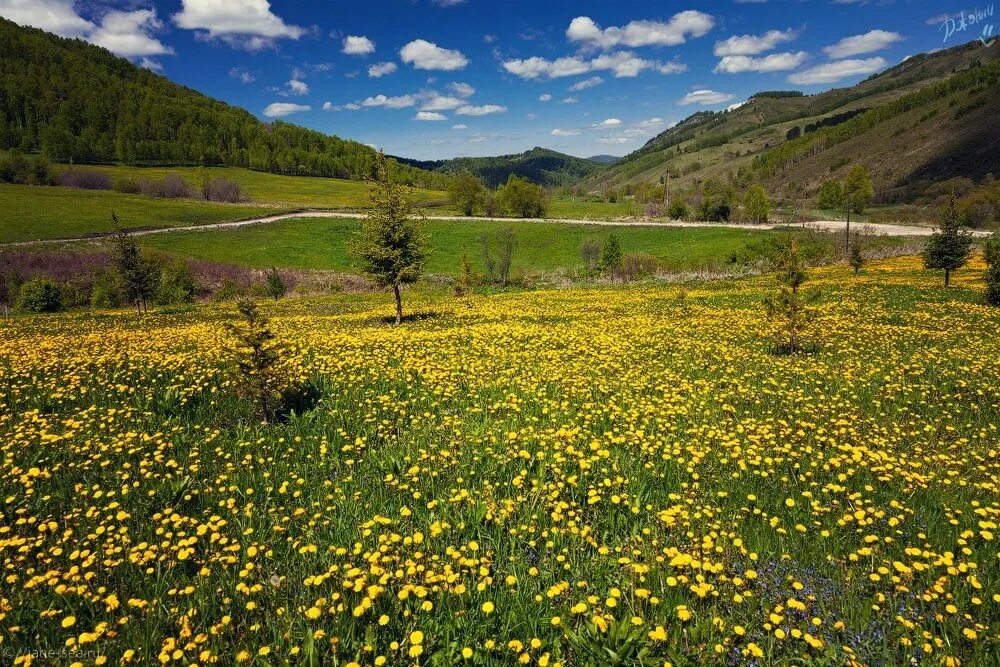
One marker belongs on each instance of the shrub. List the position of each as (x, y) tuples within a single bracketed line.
[(830, 196), (222, 190), (171, 186), (83, 179), (274, 285), (611, 256), (228, 290), (177, 284), (106, 291), (127, 185), (678, 209), (40, 295), (590, 253), (522, 199), (636, 265)]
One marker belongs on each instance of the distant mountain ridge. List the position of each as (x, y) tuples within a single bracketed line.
[(604, 159), (539, 165)]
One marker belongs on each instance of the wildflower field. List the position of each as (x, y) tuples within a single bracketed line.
[(594, 476)]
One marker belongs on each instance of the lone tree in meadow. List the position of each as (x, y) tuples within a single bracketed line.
[(991, 253), (857, 256), (857, 193), (257, 354), (466, 193), (391, 245), (950, 246), (756, 204), (792, 306), (611, 256), (137, 275), (274, 285)]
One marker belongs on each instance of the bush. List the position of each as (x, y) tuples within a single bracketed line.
[(39, 295), (177, 284), (590, 252), (171, 186), (636, 265), (223, 190), (678, 210), (228, 290), (522, 199), (127, 185), (106, 291), (83, 179)]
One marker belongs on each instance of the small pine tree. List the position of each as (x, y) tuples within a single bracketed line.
[(274, 285), (950, 246), (257, 354), (611, 256), (857, 257), (392, 246), (466, 276), (138, 277), (791, 305), (991, 252)]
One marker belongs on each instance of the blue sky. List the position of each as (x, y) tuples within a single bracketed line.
[(440, 78)]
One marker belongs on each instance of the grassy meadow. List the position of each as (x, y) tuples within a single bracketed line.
[(322, 243), (566, 477), (33, 212)]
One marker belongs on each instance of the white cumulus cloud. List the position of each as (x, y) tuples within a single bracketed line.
[(873, 40), (837, 70), (461, 89), (248, 24), (587, 83), (129, 34), (775, 62), (427, 55), (358, 45), (751, 45), (608, 123), (429, 115), (544, 97), (399, 102), (559, 132), (681, 26), (58, 16), (623, 64), (705, 97), (381, 69), (483, 110), (442, 103), (279, 109)]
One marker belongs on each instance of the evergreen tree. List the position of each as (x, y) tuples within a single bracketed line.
[(950, 246), (791, 305), (466, 276), (391, 246), (257, 354), (274, 285), (137, 276), (611, 256), (857, 258)]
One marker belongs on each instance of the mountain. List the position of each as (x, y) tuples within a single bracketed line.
[(539, 165), (930, 118), (77, 102), (604, 159)]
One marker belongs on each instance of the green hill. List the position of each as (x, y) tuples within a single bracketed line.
[(74, 101), (539, 165), (929, 118)]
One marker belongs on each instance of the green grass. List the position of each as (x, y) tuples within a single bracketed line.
[(579, 208), (276, 189), (322, 244), (32, 213)]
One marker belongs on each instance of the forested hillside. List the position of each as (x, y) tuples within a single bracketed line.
[(539, 165), (930, 118), (74, 101)]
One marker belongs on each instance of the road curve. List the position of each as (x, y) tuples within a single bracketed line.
[(820, 225)]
